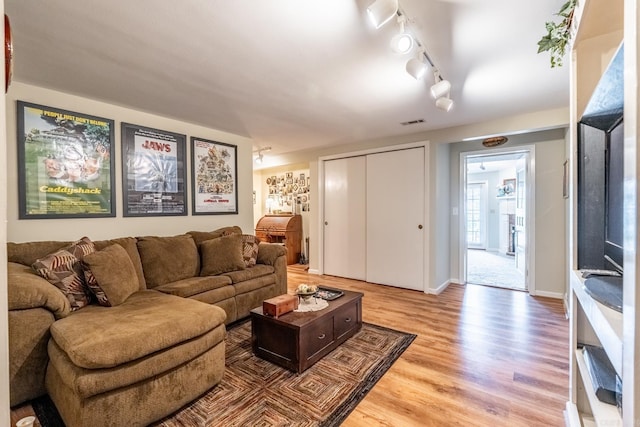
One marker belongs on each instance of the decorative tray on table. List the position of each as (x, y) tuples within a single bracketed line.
[(328, 293)]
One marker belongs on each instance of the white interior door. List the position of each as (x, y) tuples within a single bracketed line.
[(395, 218), (344, 218)]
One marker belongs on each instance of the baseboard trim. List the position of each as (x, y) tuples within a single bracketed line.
[(314, 271), (555, 295), (440, 289)]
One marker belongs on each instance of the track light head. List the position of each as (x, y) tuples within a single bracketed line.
[(416, 67), (381, 11), (259, 158), (444, 103), (440, 89), (402, 43)]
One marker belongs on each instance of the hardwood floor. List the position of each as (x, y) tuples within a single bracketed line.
[(483, 357)]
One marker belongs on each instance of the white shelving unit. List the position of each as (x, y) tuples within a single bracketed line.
[(599, 28)]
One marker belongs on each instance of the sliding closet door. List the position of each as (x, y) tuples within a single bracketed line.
[(344, 217), (395, 218)]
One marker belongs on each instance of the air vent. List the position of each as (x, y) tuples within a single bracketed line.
[(412, 122)]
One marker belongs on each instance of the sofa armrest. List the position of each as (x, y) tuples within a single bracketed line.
[(268, 253), (28, 290)]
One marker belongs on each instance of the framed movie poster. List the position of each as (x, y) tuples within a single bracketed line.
[(65, 164), (153, 172), (214, 166)]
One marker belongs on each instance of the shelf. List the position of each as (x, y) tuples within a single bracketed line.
[(604, 414), (606, 323)]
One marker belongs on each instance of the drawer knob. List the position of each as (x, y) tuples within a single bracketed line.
[(347, 320), (321, 337)]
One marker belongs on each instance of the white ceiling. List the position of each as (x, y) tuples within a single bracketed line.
[(290, 74)]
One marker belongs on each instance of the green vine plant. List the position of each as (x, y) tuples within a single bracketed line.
[(558, 34)]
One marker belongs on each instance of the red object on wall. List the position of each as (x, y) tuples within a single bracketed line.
[(8, 54)]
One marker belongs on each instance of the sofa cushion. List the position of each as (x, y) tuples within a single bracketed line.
[(26, 290), (250, 249), (168, 259), (110, 275), (90, 382), (130, 245), (258, 270), (29, 252), (268, 253), (221, 255), (194, 285), (149, 321), (63, 269), (201, 236)]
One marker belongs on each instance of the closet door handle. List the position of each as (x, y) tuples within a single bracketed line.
[(419, 226), (326, 223)]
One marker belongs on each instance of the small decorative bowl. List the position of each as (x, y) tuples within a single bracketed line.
[(306, 295)]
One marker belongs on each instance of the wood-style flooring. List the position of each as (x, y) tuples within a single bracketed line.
[(483, 356)]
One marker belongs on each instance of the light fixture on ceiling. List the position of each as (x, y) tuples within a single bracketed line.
[(445, 103), (441, 86), (381, 11), (260, 157), (402, 42), (416, 67), (440, 91)]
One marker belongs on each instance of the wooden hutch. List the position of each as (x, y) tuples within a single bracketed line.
[(285, 229)]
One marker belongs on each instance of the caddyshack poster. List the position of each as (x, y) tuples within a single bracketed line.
[(65, 164)]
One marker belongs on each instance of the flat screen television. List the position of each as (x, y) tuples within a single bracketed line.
[(614, 196)]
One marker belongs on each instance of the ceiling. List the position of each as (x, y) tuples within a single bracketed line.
[(290, 74)]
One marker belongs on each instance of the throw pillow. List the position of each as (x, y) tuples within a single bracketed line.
[(62, 269), (168, 259), (110, 275), (221, 255), (250, 249)]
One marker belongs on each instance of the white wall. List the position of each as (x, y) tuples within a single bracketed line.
[(100, 228), (550, 230), (439, 217)]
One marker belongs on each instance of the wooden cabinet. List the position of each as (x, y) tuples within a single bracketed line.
[(284, 229), (600, 28)]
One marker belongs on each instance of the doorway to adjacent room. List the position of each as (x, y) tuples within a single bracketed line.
[(497, 195)]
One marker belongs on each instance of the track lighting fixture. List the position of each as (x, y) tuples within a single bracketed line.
[(416, 67), (441, 87), (402, 42), (381, 11), (445, 103), (260, 157)]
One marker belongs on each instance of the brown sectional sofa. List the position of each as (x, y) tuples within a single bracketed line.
[(161, 347)]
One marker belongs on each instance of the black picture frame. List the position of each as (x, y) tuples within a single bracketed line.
[(214, 177), (66, 164), (154, 181)]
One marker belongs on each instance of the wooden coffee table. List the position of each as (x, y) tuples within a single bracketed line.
[(298, 340)]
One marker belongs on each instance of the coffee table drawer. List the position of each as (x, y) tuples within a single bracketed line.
[(345, 319), (316, 337)]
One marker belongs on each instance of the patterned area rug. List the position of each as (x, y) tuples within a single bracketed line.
[(254, 392)]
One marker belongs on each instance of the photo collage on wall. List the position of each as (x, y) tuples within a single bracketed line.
[(288, 193)]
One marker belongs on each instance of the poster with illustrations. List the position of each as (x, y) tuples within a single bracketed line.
[(65, 164), (153, 173), (214, 182)]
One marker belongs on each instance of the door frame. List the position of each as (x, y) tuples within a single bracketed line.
[(427, 214), (529, 279)]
